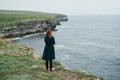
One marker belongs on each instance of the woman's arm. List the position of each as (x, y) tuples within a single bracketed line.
[(53, 41), (45, 40)]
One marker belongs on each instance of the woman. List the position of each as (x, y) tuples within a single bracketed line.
[(49, 52)]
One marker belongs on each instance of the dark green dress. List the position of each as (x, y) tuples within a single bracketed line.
[(49, 52)]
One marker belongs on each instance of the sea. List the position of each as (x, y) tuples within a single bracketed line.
[(89, 43)]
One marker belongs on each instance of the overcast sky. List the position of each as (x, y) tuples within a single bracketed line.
[(64, 6)]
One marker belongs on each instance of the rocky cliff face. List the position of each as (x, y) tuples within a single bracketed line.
[(26, 27)]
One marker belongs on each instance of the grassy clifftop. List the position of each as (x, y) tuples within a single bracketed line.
[(19, 23), (19, 62), (9, 18), (13, 16)]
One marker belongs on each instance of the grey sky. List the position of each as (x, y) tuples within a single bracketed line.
[(64, 6)]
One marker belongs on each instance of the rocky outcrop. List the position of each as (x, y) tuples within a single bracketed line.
[(61, 18), (28, 27)]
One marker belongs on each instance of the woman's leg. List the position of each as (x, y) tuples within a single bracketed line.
[(46, 65), (50, 65)]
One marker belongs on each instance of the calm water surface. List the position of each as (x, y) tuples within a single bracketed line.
[(87, 43)]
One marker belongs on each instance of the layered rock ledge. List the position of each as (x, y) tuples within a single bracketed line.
[(27, 27), (34, 24)]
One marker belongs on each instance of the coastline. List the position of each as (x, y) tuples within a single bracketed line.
[(24, 60), (13, 24)]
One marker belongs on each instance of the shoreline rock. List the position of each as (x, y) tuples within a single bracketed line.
[(26, 27), (61, 17)]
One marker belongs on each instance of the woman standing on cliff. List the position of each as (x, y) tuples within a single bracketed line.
[(49, 52)]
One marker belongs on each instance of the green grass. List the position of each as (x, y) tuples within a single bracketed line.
[(18, 63), (9, 18), (18, 17), (13, 16)]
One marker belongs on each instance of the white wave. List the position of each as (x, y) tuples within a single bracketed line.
[(63, 26), (59, 30), (65, 57), (17, 38), (59, 47), (30, 35), (88, 43), (94, 44)]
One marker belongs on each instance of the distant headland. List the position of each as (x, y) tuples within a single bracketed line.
[(18, 23)]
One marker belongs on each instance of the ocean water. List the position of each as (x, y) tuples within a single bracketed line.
[(87, 43)]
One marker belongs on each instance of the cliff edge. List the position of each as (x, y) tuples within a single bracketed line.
[(19, 23), (20, 62)]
